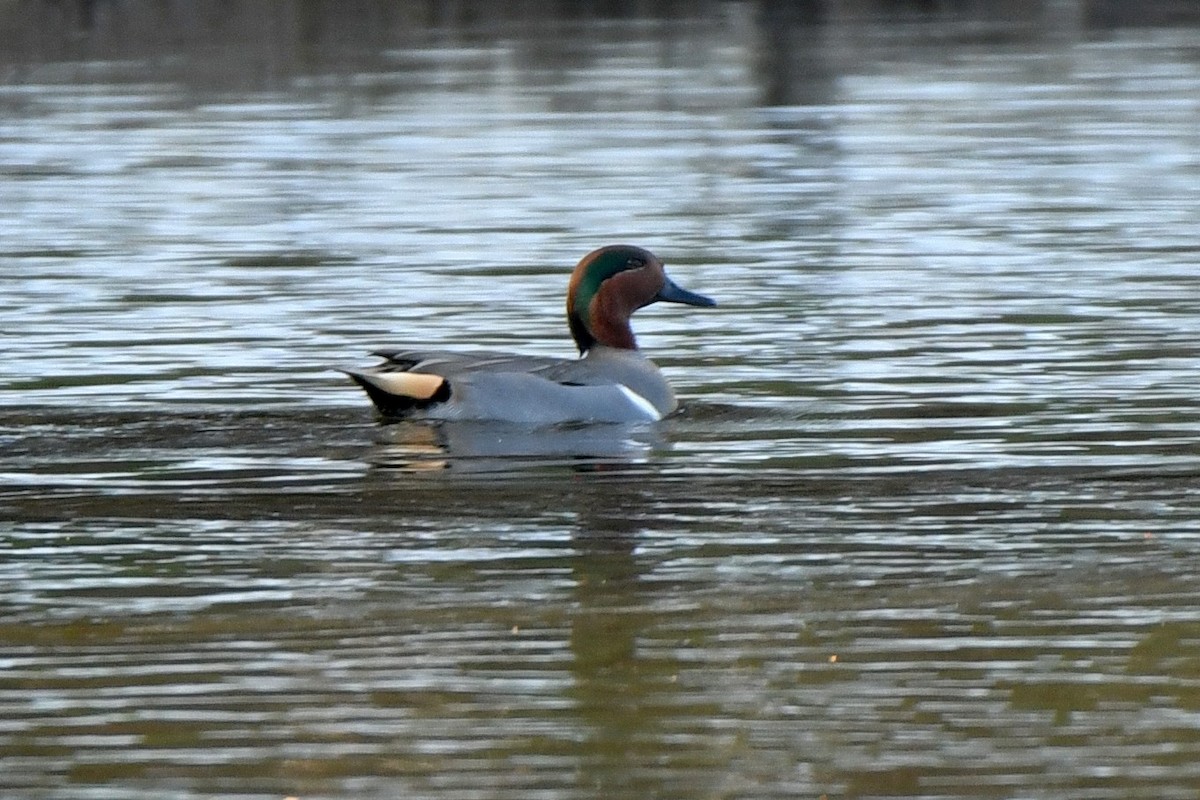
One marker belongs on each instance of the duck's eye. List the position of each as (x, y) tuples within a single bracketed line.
[(635, 263)]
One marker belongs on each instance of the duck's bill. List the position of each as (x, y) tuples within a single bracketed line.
[(672, 292)]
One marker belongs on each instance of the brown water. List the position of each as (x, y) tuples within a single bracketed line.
[(927, 525)]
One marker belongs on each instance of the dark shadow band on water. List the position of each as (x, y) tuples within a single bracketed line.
[(338, 463)]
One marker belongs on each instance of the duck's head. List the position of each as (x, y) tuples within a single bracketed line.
[(611, 283)]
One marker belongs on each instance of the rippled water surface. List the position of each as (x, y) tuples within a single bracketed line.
[(926, 526)]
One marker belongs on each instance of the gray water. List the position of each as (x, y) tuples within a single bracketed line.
[(926, 525)]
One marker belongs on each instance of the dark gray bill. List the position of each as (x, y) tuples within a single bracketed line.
[(671, 292)]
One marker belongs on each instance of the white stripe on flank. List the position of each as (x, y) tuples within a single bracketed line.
[(643, 405)]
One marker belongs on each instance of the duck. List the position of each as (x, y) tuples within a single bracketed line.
[(610, 382)]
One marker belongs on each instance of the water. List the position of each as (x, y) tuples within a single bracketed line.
[(926, 525)]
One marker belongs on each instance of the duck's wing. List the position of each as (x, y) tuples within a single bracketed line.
[(411, 380), (449, 363)]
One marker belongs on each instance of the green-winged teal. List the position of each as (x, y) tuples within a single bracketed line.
[(610, 382)]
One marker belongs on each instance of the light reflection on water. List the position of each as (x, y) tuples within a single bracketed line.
[(926, 522)]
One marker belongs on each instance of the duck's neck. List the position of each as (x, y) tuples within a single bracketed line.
[(611, 308), (610, 321)]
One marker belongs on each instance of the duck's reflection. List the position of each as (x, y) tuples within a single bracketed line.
[(498, 448), (624, 694), (623, 688)]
